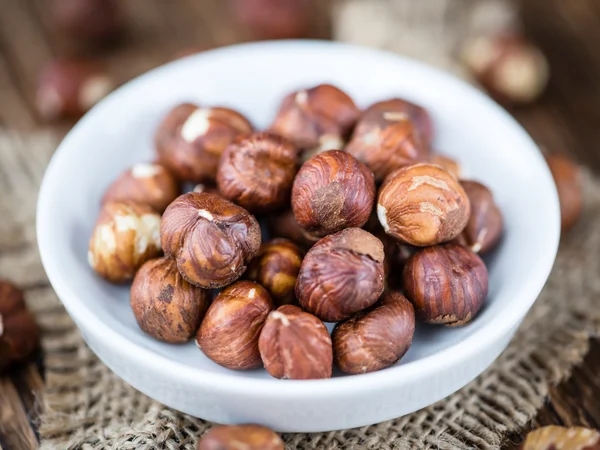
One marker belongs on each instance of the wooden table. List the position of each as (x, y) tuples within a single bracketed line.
[(567, 119)]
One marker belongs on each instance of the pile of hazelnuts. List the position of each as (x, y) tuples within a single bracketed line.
[(369, 228)]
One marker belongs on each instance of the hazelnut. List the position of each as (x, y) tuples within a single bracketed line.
[(146, 183), (389, 147), (229, 332), (284, 225), (556, 438), (276, 267), (257, 172), (190, 139), (568, 185), (447, 284), (295, 345), (509, 67), (484, 228), (19, 333), (238, 437), (167, 307), (377, 338), (126, 235), (210, 238), (422, 205), (449, 164), (341, 275), (68, 88), (332, 191), (274, 19), (316, 119)]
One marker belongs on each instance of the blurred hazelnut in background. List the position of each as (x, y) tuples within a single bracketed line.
[(567, 176), (240, 437)]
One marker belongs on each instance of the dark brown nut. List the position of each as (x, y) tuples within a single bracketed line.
[(126, 235), (274, 19), (146, 183), (284, 225), (229, 332), (257, 172), (422, 205), (211, 239), (276, 268), (316, 119), (388, 112), (19, 333), (388, 147), (240, 437), (377, 338), (190, 140), (332, 191), (341, 275), (510, 68), (447, 284), (484, 228), (68, 88), (447, 163), (167, 307), (295, 345), (568, 184), (556, 438)]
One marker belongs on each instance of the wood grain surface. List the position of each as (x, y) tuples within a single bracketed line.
[(566, 119)]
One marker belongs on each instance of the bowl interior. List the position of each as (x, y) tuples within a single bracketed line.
[(253, 79)]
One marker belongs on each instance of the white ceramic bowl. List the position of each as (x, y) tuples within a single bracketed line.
[(253, 78)]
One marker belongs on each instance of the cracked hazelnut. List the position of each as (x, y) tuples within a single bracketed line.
[(125, 236), (388, 144), (422, 205), (484, 228), (229, 332), (568, 185), (276, 268), (240, 437), (509, 67), (257, 172), (68, 88), (341, 275), (284, 225), (562, 438), (191, 139), (295, 345), (377, 338), (19, 333), (449, 164), (147, 183), (167, 307), (332, 191), (447, 284), (316, 119), (210, 238)]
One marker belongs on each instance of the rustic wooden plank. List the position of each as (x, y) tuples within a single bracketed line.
[(15, 429)]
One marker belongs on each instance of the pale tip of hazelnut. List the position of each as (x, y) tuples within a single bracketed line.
[(150, 228), (196, 125), (330, 142), (520, 76), (125, 223), (145, 170), (281, 317), (205, 214), (107, 238), (93, 90), (395, 116), (91, 262), (479, 54), (251, 293), (382, 216), (301, 98), (49, 102)]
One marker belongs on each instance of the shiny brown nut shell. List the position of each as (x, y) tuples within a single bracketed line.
[(147, 183), (561, 438), (423, 205), (567, 177), (231, 327), (484, 228), (19, 333), (89, 22), (211, 239), (240, 437), (341, 275), (167, 307), (377, 338), (295, 345), (316, 119), (125, 236), (332, 191), (257, 172), (276, 268), (449, 164), (447, 284), (191, 139)]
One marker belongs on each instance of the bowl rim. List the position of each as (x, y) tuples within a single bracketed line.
[(452, 355)]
